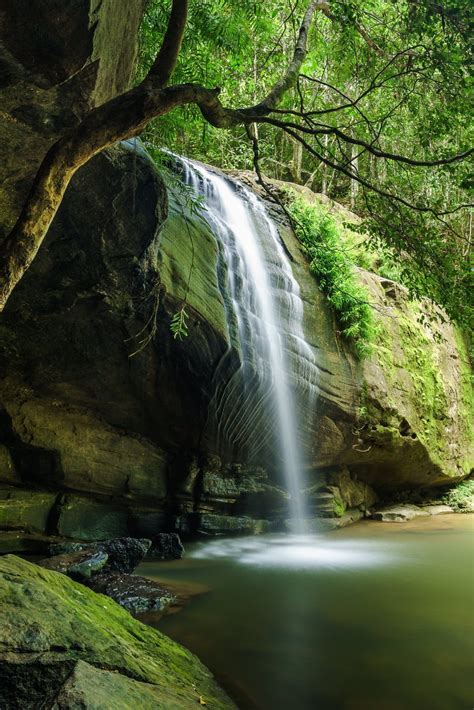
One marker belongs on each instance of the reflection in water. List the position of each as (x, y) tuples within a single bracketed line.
[(373, 617)]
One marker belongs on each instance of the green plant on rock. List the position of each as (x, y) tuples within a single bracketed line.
[(330, 262), (461, 497), (178, 325)]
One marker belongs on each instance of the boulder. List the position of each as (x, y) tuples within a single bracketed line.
[(123, 554), (48, 623), (136, 594), (91, 687), (77, 565), (166, 546), (399, 513)]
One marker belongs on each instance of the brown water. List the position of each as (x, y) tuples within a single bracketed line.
[(373, 617)]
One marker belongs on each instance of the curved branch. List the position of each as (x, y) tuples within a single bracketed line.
[(167, 57), (290, 77), (329, 130)]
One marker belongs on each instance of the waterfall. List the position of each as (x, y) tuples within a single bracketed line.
[(265, 322)]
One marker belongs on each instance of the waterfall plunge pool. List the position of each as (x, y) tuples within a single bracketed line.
[(376, 616)]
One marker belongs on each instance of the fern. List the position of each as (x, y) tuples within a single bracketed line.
[(178, 325)]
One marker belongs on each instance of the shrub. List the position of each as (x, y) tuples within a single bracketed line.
[(330, 262), (460, 498)]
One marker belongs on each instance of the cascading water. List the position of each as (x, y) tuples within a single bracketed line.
[(265, 316)]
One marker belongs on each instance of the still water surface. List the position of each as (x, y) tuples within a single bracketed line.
[(373, 617)]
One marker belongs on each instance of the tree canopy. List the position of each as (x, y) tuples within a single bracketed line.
[(367, 102)]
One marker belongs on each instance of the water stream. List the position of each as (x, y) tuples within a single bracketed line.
[(265, 321)]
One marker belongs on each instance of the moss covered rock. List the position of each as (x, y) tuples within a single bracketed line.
[(49, 623), (93, 688), (25, 510)]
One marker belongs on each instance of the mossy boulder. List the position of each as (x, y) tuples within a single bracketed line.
[(49, 623), (91, 687)]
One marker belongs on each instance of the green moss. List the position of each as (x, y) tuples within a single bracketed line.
[(339, 507), (331, 263), (25, 510), (47, 613), (466, 394)]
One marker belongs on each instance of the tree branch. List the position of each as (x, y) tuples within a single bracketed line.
[(167, 57), (290, 77), (321, 129)]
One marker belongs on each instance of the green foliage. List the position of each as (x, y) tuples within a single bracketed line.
[(461, 497), (178, 325), (330, 263), (405, 91)]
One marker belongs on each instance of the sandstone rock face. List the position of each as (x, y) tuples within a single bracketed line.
[(49, 624), (403, 417), (124, 439)]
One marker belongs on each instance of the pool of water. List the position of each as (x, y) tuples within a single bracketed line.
[(373, 617)]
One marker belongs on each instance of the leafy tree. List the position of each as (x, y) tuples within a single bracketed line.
[(366, 101)]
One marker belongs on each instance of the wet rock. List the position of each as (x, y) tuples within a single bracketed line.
[(339, 491), (398, 513), (18, 542), (77, 565), (215, 524), (166, 546), (124, 554), (136, 594), (48, 623), (324, 524)]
